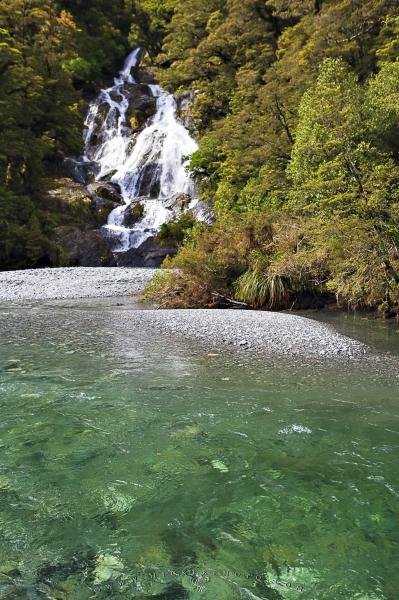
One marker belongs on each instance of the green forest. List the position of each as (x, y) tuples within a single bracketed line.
[(294, 104)]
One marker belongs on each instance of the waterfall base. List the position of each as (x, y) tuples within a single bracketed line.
[(149, 254)]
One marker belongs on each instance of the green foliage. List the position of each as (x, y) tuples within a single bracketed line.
[(276, 261), (177, 231), (259, 290), (298, 119), (149, 23), (22, 243)]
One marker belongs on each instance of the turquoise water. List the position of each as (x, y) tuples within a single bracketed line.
[(137, 467)]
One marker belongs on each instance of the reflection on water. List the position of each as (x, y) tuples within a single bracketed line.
[(133, 467)]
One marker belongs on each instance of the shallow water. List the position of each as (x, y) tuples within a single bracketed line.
[(136, 467)]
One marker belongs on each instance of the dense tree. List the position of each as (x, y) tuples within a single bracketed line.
[(307, 142), (53, 55), (295, 106)]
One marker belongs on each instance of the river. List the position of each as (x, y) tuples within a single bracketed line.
[(146, 467)]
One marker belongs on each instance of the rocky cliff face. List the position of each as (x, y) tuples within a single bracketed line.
[(80, 211), (83, 248)]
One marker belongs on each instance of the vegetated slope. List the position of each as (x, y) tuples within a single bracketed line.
[(296, 104)]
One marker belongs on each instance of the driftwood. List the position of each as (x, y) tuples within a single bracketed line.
[(229, 300)]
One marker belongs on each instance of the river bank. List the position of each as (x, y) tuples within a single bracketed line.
[(279, 334)]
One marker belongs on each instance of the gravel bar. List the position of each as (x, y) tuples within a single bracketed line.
[(273, 333), (278, 334), (72, 282)]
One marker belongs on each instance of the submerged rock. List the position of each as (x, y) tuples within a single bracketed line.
[(10, 569), (219, 466), (107, 567), (173, 591)]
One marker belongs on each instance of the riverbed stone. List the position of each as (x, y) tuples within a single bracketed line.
[(10, 569), (107, 567), (267, 333)]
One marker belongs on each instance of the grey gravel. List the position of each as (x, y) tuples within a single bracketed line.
[(73, 282), (277, 334)]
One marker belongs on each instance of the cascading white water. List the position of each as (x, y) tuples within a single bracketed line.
[(150, 165)]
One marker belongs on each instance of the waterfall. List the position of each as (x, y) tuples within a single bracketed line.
[(147, 161)]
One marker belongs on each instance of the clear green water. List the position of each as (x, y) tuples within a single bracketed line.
[(136, 467)]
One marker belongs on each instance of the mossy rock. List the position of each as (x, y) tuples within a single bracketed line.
[(142, 105), (105, 190), (133, 213)]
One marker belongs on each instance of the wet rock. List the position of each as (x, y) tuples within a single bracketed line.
[(102, 114), (84, 248), (80, 171), (97, 137), (179, 202), (115, 95), (72, 203), (136, 91), (133, 213), (149, 254), (202, 212), (109, 175), (105, 190), (184, 105), (144, 76), (86, 207), (149, 184), (142, 105)]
